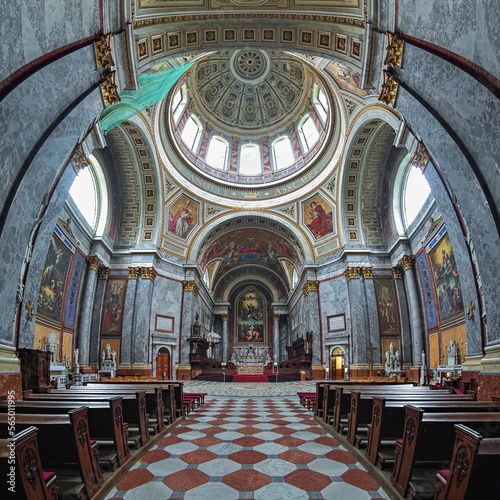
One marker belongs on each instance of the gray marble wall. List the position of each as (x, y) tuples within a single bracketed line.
[(359, 320), (140, 344)]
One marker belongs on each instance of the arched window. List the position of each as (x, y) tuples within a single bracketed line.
[(308, 133), (191, 134), (283, 153), (415, 194), (179, 102), (250, 162), (217, 153), (89, 194), (321, 105)]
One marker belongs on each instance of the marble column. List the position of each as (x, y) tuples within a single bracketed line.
[(311, 304), (225, 338), (358, 325), (95, 332), (372, 315), (417, 334), (128, 316), (406, 344), (139, 352), (87, 309), (189, 308), (276, 337)]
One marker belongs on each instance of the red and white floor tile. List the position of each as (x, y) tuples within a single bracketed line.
[(248, 448)]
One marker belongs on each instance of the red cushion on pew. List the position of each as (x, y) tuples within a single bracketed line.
[(125, 424), (445, 474), (458, 391), (400, 441), (47, 476), (92, 442)]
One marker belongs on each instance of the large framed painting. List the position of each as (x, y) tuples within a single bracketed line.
[(250, 318), (387, 306), (52, 287), (114, 298), (446, 279)]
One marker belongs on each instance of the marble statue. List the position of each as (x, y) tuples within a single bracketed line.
[(397, 364), (103, 356), (387, 361), (392, 362), (76, 353), (114, 356), (108, 351)]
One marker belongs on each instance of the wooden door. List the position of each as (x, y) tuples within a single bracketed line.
[(337, 364), (163, 366)]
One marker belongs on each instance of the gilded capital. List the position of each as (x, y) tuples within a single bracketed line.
[(389, 89), (394, 51), (133, 272), (110, 90), (79, 160), (310, 286), (367, 272), (148, 273), (103, 55), (94, 262), (103, 272), (191, 286), (352, 272), (420, 158), (225, 317), (276, 317), (407, 262), (397, 272)]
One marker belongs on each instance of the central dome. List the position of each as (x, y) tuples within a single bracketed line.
[(249, 90)]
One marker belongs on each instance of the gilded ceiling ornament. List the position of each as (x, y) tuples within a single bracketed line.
[(211, 210), (169, 186), (397, 272), (434, 225), (407, 261), (290, 211), (420, 158), (79, 160), (367, 272), (103, 272), (310, 286), (389, 89), (352, 272), (30, 310), (331, 185), (103, 54), (94, 262), (191, 286), (133, 272), (225, 317), (110, 90), (276, 317), (148, 273), (394, 54)]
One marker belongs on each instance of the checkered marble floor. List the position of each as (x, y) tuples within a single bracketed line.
[(249, 389), (248, 448)]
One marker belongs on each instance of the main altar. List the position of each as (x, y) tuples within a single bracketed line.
[(250, 360)]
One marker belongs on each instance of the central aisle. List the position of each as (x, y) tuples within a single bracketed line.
[(248, 448)]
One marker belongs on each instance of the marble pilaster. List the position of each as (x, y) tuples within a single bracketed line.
[(139, 346), (276, 338), (128, 315), (406, 344), (95, 329), (417, 334), (225, 338), (188, 311), (356, 293), (311, 305), (372, 313), (87, 309)]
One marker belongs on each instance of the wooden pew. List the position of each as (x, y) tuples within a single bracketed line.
[(29, 481), (427, 443), (474, 468), (65, 446), (105, 423), (133, 406), (388, 420)]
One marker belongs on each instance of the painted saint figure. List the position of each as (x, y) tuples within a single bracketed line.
[(321, 222), (179, 225)]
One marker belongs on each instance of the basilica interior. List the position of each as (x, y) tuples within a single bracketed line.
[(202, 188)]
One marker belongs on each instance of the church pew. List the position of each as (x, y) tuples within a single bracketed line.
[(154, 400), (473, 472), (30, 481), (105, 423), (388, 419), (133, 406), (361, 413), (65, 446), (427, 443)]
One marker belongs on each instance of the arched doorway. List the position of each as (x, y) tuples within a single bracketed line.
[(163, 364), (337, 363)]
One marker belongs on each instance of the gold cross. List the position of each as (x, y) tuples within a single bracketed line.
[(470, 310), (29, 307)]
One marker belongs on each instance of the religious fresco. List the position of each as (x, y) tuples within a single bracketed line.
[(251, 246), (318, 216), (114, 299), (50, 297), (426, 284), (250, 318), (183, 216), (446, 279), (348, 79), (387, 306)]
